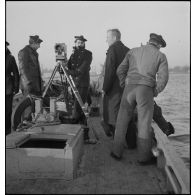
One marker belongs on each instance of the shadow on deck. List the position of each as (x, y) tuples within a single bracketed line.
[(98, 173)]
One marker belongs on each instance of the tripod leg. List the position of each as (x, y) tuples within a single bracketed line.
[(50, 80), (65, 92), (79, 99)]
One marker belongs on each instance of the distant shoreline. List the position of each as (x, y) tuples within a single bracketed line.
[(173, 72)]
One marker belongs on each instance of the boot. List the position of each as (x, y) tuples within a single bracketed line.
[(144, 147), (131, 135), (87, 140), (170, 130)]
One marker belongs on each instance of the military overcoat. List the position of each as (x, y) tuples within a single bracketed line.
[(30, 73), (79, 63)]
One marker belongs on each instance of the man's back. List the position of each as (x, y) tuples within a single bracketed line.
[(146, 59), (141, 65)]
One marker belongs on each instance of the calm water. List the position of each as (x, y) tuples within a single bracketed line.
[(175, 104)]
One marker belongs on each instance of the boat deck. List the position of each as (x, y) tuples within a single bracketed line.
[(98, 173)]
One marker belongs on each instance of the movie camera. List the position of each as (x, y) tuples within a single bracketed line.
[(61, 52)]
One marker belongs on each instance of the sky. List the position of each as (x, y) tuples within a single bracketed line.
[(59, 22)]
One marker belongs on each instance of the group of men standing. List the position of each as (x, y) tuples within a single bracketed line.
[(129, 82), (30, 80)]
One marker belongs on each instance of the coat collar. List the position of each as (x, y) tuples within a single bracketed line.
[(31, 49), (115, 44)]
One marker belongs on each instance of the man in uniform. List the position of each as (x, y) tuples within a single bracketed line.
[(30, 73), (12, 86), (138, 73), (79, 67)]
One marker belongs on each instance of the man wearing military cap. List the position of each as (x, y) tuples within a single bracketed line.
[(79, 67), (157, 40), (30, 73), (81, 38), (137, 73)]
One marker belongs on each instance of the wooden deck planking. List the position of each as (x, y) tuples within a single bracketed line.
[(98, 173)]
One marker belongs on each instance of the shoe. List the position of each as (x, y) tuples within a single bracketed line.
[(106, 129), (115, 156), (171, 129), (152, 161)]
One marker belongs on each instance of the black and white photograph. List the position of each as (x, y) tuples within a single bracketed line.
[(97, 97)]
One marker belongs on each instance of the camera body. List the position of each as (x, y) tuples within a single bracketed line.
[(61, 52)]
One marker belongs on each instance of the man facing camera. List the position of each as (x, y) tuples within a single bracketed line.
[(79, 67)]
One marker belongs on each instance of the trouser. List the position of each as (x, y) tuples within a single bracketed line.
[(9, 100), (157, 117), (142, 96), (77, 110), (132, 128)]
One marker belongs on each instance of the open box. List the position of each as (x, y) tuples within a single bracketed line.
[(49, 152)]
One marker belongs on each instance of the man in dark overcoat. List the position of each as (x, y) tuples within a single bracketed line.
[(79, 67), (113, 91), (111, 87), (12, 86), (29, 67)]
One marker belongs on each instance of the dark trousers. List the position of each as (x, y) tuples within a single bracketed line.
[(77, 111), (8, 111)]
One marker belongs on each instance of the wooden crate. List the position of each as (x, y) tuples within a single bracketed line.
[(52, 152)]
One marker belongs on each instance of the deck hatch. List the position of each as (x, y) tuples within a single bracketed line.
[(44, 143)]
